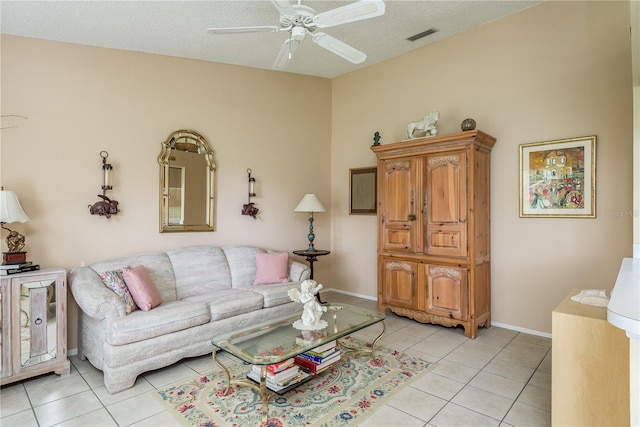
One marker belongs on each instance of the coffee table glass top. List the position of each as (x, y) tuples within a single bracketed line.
[(277, 340)]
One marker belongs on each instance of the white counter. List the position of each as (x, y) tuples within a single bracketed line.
[(623, 310)]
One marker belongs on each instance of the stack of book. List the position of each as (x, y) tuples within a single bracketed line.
[(281, 377), (6, 269), (320, 358)]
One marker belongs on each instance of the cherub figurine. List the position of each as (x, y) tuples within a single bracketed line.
[(312, 311)]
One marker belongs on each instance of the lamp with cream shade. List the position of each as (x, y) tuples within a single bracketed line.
[(310, 203), (11, 211)]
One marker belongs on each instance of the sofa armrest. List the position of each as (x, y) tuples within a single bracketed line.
[(298, 271), (92, 296)]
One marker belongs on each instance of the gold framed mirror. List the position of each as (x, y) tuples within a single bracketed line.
[(187, 177)]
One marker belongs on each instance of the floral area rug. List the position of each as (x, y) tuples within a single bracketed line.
[(345, 394)]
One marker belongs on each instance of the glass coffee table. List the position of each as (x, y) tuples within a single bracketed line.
[(277, 340)]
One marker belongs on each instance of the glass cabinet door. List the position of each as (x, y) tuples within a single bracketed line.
[(38, 322)]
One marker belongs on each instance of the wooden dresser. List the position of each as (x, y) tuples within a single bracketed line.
[(590, 367), (434, 260)]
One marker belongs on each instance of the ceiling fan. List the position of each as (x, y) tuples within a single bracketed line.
[(299, 21)]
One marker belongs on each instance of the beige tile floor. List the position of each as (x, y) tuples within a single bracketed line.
[(502, 378)]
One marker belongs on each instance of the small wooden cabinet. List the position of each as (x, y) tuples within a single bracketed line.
[(433, 229), (34, 324), (590, 367)]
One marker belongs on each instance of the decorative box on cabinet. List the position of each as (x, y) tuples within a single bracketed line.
[(34, 324), (589, 367), (434, 258)]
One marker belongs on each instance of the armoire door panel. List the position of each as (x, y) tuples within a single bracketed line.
[(399, 278), (445, 204), (399, 214), (447, 293)]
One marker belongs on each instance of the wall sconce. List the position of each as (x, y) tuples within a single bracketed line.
[(106, 206), (249, 208)]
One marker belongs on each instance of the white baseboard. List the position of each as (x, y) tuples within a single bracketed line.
[(501, 325), (520, 329), (353, 294)]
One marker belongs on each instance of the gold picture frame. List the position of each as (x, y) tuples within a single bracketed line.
[(363, 195), (558, 178)]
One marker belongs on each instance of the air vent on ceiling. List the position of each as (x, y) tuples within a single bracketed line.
[(422, 34)]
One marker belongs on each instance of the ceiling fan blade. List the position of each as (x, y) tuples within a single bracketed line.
[(284, 7), (286, 53), (340, 48), (363, 9), (233, 30)]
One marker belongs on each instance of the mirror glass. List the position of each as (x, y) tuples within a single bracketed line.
[(186, 183), (38, 322)]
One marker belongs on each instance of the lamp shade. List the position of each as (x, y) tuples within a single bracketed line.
[(309, 203), (10, 209)]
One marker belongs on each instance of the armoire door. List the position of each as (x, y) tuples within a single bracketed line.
[(399, 280), (445, 204), (398, 212), (447, 292)]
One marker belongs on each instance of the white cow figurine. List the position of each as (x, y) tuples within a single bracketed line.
[(426, 125)]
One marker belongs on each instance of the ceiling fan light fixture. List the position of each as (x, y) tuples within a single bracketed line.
[(298, 33)]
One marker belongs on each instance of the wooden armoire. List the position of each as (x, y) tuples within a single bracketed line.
[(434, 249)]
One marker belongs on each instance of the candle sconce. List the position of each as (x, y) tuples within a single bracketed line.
[(106, 206), (249, 208)]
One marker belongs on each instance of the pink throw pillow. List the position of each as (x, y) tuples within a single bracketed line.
[(143, 290), (272, 268)]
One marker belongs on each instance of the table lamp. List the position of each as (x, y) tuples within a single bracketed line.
[(311, 204), (11, 211)]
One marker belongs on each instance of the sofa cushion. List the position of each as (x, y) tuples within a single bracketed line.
[(229, 302), (272, 268), (242, 264), (141, 286), (168, 317), (157, 264), (275, 294), (113, 280), (199, 270)]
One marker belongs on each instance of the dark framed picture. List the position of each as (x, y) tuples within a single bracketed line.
[(364, 191), (558, 178)]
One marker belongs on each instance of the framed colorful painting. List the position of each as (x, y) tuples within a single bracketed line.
[(558, 178)]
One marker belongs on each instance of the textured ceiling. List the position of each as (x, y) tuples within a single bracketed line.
[(179, 28)]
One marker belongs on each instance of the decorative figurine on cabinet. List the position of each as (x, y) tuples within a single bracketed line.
[(426, 125), (376, 138)]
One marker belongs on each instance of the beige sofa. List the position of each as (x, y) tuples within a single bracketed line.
[(205, 290)]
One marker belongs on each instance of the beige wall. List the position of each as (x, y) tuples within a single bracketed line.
[(81, 100), (557, 70)]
